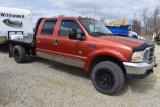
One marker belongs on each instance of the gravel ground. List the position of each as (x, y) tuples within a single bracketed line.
[(40, 82)]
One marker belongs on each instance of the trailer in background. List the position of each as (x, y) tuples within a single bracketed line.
[(14, 23)]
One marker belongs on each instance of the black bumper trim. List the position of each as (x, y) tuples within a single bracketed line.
[(140, 76), (143, 46)]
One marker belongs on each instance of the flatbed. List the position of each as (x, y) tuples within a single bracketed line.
[(25, 41)]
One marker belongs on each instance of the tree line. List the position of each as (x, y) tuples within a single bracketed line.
[(146, 21)]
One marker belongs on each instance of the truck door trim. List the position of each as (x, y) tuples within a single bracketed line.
[(45, 55), (69, 61), (62, 59)]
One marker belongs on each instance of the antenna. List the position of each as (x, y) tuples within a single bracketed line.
[(94, 20), (95, 11)]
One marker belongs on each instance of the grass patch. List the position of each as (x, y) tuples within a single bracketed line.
[(158, 43), (148, 38)]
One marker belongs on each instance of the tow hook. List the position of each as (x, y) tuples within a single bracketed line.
[(155, 65), (150, 71)]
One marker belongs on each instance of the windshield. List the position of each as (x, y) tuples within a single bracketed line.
[(95, 28)]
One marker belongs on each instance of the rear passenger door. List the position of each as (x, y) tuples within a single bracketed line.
[(45, 37)]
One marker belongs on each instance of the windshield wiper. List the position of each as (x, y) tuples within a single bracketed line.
[(110, 34), (99, 33)]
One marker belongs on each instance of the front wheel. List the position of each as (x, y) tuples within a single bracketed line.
[(107, 77), (19, 54)]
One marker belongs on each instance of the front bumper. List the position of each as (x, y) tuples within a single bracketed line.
[(138, 70)]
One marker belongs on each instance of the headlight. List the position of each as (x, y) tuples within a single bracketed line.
[(137, 56)]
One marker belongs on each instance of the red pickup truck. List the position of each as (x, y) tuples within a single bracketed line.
[(86, 43)]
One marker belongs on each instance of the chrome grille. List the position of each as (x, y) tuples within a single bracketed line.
[(149, 55)]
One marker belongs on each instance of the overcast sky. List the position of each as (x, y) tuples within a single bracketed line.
[(110, 9)]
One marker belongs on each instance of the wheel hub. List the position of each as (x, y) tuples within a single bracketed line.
[(16, 54), (105, 79)]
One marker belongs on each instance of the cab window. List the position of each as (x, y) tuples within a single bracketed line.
[(66, 25), (48, 27)]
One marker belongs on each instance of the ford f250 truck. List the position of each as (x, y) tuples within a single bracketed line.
[(86, 43)]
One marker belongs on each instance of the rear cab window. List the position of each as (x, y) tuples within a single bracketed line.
[(48, 27)]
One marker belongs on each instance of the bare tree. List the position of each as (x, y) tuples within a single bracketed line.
[(144, 17), (150, 25), (136, 25), (59, 15), (155, 17), (150, 20), (102, 20)]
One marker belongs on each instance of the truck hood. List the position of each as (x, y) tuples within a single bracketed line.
[(131, 42)]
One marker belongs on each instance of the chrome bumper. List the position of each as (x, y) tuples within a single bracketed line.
[(138, 70)]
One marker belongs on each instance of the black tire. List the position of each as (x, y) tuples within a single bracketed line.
[(19, 54), (107, 77)]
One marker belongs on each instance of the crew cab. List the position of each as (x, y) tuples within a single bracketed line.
[(86, 43)]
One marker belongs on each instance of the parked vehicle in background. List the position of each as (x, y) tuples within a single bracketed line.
[(14, 23), (157, 38), (88, 44), (121, 28)]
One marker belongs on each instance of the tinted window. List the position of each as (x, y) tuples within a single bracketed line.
[(48, 27), (66, 25)]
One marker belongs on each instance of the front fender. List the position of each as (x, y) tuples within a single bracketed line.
[(109, 52)]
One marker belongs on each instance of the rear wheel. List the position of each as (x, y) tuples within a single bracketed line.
[(19, 54), (107, 77)]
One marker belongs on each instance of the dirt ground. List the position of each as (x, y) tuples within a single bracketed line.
[(41, 83)]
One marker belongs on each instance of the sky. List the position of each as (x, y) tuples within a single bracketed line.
[(110, 9)]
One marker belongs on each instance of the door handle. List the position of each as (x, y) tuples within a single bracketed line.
[(55, 42), (39, 40)]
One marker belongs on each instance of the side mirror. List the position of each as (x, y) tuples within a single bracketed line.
[(75, 35)]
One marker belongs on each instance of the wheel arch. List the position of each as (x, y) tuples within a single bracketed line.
[(102, 58), (105, 55), (28, 49)]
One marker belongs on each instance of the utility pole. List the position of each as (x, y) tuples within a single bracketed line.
[(95, 19)]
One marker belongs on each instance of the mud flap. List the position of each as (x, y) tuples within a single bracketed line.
[(10, 50)]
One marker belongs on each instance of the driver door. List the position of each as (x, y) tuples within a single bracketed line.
[(66, 49)]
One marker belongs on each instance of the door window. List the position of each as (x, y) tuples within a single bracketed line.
[(48, 27), (66, 25)]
